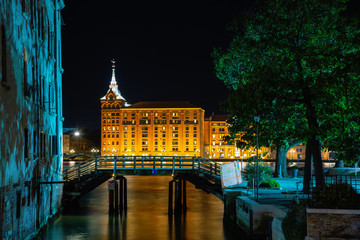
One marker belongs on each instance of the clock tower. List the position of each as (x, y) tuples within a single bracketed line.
[(110, 117)]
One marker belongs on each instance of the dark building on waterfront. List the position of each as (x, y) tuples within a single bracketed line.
[(30, 115)]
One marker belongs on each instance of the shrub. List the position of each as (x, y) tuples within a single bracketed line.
[(294, 223), (336, 196), (248, 173)]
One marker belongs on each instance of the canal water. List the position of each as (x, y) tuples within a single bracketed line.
[(147, 215)]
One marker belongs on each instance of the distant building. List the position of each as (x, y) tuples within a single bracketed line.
[(30, 115), (149, 128), (163, 129), (76, 142)]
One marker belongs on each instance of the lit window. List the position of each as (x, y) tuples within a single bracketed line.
[(163, 128), (195, 142), (213, 136)]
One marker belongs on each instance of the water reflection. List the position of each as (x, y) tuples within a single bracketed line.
[(147, 215)]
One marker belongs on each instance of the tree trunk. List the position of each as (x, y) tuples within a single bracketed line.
[(307, 168), (313, 154), (318, 166), (281, 159), (315, 129)]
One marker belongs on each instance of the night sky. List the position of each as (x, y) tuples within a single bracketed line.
[(162, 51)]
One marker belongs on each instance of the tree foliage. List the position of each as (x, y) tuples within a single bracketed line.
[(296, 64)]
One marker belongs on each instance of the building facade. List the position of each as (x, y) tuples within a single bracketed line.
[(149, 128), (163, 129), (31, 115)]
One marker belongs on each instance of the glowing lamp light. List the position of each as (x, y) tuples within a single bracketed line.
[(77, 134)]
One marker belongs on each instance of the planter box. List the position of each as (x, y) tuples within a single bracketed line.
[(333, 223)]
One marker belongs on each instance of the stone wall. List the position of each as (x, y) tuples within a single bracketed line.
[(30, 115), (334, 223)]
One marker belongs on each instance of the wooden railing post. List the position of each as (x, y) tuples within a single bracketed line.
[(96, 166), (142, 162), (211, 167), (123, 162), (180, 162), (79, 171), (161, 162), (193, 164), (115, 166), (154, 163), (134, 165), (173, 166), (67, 174)]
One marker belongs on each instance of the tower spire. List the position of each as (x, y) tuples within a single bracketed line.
[(113, 84)]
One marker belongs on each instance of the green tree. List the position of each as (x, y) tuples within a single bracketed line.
[(290, 62)]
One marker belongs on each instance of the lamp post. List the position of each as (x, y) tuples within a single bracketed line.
[(257, 119)]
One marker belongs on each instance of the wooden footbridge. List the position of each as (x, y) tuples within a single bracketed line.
[(85, 176)]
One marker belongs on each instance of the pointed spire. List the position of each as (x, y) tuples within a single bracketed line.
[(113, 84)]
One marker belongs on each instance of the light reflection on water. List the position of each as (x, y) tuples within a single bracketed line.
[(147, 216)]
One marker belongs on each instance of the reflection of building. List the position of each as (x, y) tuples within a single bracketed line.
[(162, 128), (31, 115)]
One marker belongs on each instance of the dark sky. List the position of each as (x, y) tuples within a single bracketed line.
[(162, 51)]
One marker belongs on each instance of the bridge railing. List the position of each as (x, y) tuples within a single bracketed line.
[(173, 164)]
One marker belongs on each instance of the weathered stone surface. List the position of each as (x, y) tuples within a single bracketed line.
[(333, 223), (30, 115)]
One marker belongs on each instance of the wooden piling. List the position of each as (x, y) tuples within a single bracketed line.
[(121, 191), (170, 203), (178, 206), (116, 195), (125, 194), (111, 201), (184, 195)]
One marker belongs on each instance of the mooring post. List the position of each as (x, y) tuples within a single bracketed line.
[(116, 193), (184, 195), (170, 204), (111, 196), (121, 200), (125, 194), (178, 199)]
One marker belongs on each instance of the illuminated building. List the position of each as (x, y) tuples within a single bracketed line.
[(31, 115), (216, 128), (149, 128)]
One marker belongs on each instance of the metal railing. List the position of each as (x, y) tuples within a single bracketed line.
[(203, 166)]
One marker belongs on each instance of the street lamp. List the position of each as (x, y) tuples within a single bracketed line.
[(257, 119)]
